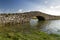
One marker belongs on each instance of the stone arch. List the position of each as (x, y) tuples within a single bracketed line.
[(40, 18)]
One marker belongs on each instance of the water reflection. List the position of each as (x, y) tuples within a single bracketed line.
[(33, 22), (49, 26), (52, 26)]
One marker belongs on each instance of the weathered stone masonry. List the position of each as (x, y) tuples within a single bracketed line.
[(24, 17), (13, 18)]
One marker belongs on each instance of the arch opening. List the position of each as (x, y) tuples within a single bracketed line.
[(40, 18)]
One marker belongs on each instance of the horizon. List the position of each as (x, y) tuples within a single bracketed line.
[(51, 7)]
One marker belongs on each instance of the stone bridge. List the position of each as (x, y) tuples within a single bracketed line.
[(25, 17)]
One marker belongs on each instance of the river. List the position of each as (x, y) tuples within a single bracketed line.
[(48, 26)]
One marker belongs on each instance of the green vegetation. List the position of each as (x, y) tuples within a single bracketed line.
[(10, 32), (24, 36)]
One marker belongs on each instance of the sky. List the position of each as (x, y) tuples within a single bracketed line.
[(47, 6)]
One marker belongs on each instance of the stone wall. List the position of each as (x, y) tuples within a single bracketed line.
[(6, 18), (24, 17)]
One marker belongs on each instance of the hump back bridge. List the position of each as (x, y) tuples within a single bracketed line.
[(25, 17)]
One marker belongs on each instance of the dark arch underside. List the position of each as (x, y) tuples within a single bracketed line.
[(40, 18)]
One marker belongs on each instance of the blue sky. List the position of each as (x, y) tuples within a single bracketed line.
[(47, 6)]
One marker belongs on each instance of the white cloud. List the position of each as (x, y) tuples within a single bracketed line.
[(46, 2), (58, 7), (20, 11), (51, 7), (55, 7), (53, 10)]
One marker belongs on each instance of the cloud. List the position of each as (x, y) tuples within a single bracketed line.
[(55, 7), (20, 11), (52, 10), (50, 7), (46, 2), (58, 7)]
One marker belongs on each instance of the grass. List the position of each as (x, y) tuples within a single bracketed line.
[(10, 32), (33, 35)]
